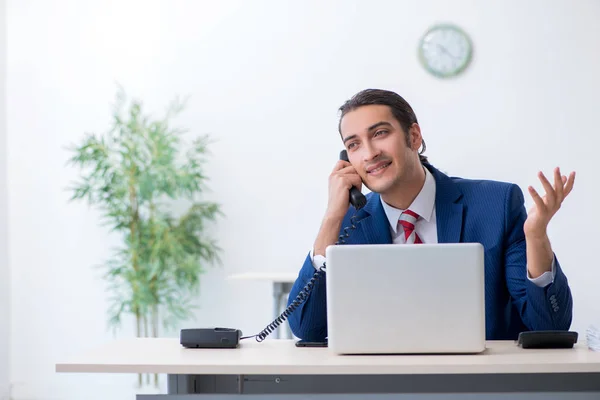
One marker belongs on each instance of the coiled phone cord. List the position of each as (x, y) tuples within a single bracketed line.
[(304, 293)]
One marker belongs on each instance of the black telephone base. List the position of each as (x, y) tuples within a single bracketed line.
[(210, 338), (551, 339)]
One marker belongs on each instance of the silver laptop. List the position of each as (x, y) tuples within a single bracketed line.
[(406, 298)]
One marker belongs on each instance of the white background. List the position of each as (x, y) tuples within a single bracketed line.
[(4, 271), (265, 79)]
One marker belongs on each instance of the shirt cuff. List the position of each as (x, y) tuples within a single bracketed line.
[(544, 279), (317, 261)]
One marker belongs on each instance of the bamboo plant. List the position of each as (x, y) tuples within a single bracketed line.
[(134, 174)]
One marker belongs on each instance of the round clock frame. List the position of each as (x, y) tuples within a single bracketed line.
[(445, 50)]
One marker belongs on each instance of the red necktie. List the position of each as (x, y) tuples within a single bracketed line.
[(408, 219)]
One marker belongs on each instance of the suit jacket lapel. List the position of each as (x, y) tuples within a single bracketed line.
[(449, 213), (373, 222), (449, 222)]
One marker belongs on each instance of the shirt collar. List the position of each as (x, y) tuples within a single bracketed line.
[(422, 205)]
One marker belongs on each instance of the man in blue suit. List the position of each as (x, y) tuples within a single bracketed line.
[(413, 202)]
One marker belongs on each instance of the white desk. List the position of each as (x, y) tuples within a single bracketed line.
[(282, 285), (278, 367)]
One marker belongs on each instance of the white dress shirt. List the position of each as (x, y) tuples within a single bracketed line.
[(426, 226), (424, 206)]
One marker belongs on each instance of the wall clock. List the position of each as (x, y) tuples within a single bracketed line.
[(445, 50)]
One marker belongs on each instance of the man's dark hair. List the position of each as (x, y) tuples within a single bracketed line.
[(400, 108)]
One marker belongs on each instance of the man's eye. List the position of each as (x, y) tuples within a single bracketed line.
[(351, 145), (380, 132)]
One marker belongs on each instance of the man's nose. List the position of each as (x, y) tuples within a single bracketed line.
[(370, 152)]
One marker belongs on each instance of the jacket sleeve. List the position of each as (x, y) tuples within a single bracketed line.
[(309, 320), (541, 308)]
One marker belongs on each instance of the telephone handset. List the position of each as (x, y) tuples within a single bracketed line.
[(358, 200)]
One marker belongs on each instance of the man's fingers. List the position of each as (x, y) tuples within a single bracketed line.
[(346, 170), (570, 183), (354, 179), (537, 199), (550, 194), (340, 165), (558, 185), (342, 168)]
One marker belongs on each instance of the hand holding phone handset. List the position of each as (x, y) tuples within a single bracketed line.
[(358, 200)]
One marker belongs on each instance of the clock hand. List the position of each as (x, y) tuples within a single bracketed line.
[(445, 51)]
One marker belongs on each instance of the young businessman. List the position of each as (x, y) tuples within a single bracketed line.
[(413, 202)]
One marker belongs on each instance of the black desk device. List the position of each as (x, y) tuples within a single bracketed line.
[(547, 339), (210, 338), (307, 343)]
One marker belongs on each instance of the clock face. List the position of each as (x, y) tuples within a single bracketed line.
[(445, 50)]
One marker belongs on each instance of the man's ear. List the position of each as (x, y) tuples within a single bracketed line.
[(414, 137)]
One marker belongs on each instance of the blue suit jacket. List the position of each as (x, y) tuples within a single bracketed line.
[(488, 212)]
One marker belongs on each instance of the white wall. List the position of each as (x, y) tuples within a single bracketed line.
[(4, 269), (266, 79)]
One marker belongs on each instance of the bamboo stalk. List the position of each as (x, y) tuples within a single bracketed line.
[(138, 332), (155, 333), (134, 232), (146, 335), (153, 289)]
